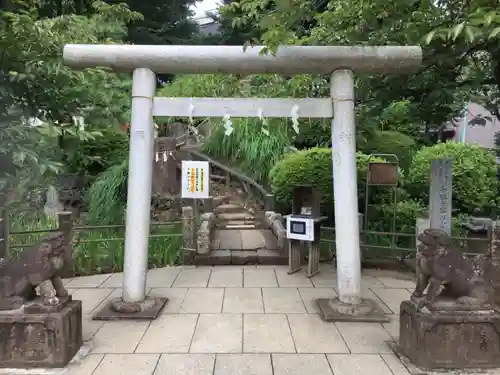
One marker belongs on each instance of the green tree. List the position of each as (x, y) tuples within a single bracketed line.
[(35, 83), (432, 96), (472, 28)]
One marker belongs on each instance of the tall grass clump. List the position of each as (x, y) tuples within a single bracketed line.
[(102, 251), (27, 222), (247, 147), (106, 197)]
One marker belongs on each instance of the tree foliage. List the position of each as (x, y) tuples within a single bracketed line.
[(35, 84), (432, 96)]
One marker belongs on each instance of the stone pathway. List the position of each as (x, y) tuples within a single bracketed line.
[(239, 320), (244, 239)]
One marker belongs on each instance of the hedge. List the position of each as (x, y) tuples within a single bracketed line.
[(313, 167)]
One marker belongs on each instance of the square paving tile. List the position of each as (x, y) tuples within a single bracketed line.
[(175, 297), (185, 364), (117, 337), (312, 335), (156, 278), (358, 364), (392, 297), (394, 364), (127, 364), (295, 280), (282, 300), (300, 364), (86, 366), (92, 281), (327, 267), (203, 300), (90, 327), (310, 295), (169, 333), (259, 277), (230, 277), (392, 327), (267, 333), (218, 333), (91, 298), (325, 280), (243, 300), (243, 364), (391, 282), (162, 277), (113, 281), (193, 277), (329, 280), (364, 337)]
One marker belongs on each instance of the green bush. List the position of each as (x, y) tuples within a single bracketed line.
[(94, 156), (392, 142), (474, 175), (314, 133), (314, 167)]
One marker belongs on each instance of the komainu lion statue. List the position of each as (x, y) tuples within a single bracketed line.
[(40, 265), (440, 265)]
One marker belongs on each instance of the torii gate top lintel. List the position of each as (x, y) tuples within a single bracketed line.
[(175, 59)]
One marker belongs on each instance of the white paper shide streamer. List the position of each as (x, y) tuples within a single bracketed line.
[(79, 122), (228, 124), (191, 126), (264, 128), (295, 118)]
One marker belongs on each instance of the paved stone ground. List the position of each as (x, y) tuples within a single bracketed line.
[(239, 320), (244, 239)]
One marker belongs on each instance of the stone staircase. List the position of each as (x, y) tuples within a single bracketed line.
[(235, 216), (233, 226), (241, 236)]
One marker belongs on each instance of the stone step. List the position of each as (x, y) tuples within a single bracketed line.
[(242, 257), (228, 208), (235, 216), (240, 226)]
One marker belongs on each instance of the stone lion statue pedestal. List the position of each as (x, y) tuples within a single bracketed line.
[(38, 330), (456, 324)]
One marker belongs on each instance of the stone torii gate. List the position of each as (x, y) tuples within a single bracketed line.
[(147, 61)]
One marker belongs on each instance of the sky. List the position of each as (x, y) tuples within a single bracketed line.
[(205, 6)]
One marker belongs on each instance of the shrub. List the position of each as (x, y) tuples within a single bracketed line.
[(474, 175), (392, 142), (94, 156), (314, 133), (314, 167)]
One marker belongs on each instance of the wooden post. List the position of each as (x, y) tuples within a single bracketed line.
[(66, 226), (495, 259), (4, 236), (189, 234), (294, 256), (440, 195), (4, 228), (269, 203), (208, 204)]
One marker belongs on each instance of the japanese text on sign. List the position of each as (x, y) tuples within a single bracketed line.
[(195, 179)]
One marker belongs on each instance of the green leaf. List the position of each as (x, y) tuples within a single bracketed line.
[(457, 30), (494, 33)]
